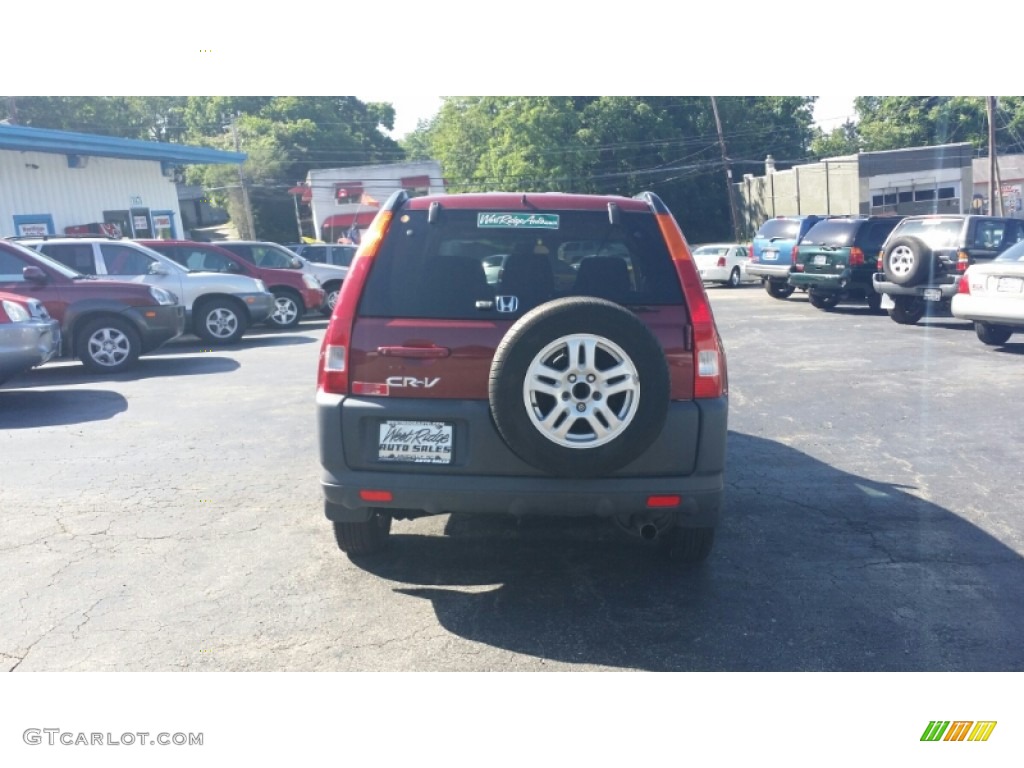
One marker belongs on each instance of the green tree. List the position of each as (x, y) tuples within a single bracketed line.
[(614, 144), (285, 137), (841, 140)]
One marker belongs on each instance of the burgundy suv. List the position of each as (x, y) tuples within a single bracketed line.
[(107, 324), (294, 292), (548, 386)]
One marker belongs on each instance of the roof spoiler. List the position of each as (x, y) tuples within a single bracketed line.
[(652, 200)]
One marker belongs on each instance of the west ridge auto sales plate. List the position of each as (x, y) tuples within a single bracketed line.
[(419, 442)]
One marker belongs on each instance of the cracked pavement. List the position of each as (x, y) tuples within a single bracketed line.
[(170, 519)]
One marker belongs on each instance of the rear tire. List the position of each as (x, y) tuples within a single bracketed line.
[(993, 335), (823, 300), (734, 278), (907, 310), (364, 538), (778, 289)]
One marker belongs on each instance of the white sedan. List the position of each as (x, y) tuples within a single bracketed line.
[(992, 295), (724, 263)]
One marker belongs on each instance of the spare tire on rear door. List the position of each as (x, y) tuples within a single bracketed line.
[(579, 387), (907, 261)]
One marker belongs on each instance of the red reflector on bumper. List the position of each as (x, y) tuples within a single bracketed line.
[(654, 502), (366, 495), (369, 388)]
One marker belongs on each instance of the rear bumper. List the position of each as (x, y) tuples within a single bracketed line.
[(988, 309), (770, 271), (687, 459), (830, 283), (946, 289)]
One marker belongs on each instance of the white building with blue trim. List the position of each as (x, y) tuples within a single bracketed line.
[(60, 182)]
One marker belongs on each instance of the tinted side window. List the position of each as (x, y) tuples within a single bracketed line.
[(438, 271), (988, 234), (207, 261), (873, 233), (319, 255), (124, 261), (78, 256), (266, 256), (245, 251), (10, 268)]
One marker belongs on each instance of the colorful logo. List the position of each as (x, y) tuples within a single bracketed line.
[(959, 730)]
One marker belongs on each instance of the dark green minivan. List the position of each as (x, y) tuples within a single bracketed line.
[(836, 259)]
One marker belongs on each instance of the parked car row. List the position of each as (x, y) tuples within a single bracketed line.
[(112, 300), (971, 266)]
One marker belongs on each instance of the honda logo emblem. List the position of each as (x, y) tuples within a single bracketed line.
[(507, 303)]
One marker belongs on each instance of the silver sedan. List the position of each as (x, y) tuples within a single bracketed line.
[(28, 335), (992, 295)]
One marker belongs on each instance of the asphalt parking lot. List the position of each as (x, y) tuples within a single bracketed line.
[(170, 519)]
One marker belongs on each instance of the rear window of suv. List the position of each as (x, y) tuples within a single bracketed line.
[(783, 229), (832, 232), (936, 233), (841, 233), (438, 270)]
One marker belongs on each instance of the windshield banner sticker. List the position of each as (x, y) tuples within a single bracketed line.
[(517, 220)]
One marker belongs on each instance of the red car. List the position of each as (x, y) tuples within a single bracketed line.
[(294, 293), (105, 323)]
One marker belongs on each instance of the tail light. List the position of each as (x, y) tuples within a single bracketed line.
[(856, 257), (792, 254), (962, 261), (751, 256), (721, 261), (710, 378), (332, 373), (879, 265), (965, 285)]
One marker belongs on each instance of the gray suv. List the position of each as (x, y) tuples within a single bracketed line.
[(924, 257)]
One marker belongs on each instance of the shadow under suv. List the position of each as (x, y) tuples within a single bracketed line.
[(441, 391)]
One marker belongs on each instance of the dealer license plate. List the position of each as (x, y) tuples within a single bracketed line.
[(932, 294), (769, 255), (821, 259), (419, 442), (1009, 285)]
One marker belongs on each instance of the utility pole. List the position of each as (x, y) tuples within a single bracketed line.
[(298, 218), (995, 196), (728, 174), (246, 205)]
